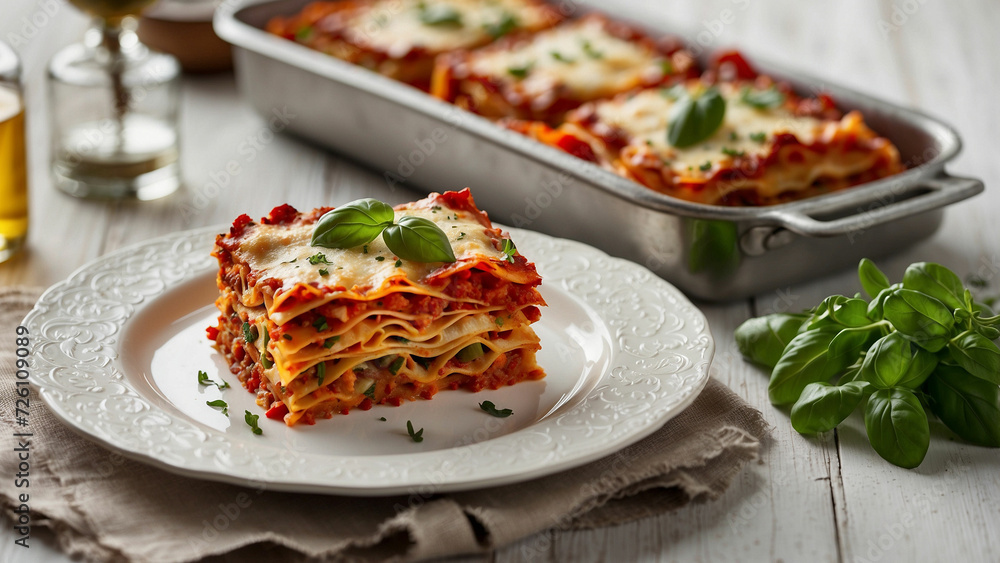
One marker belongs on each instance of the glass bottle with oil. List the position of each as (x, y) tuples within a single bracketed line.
[(114, 110), (13, 161)]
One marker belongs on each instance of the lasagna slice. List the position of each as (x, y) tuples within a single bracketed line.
[(772, 145), (315, 331), (401, 38), (544, 75)]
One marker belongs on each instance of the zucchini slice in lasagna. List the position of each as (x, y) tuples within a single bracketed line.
[(544, 75), (772, 145), (401, 38), (315, 331)]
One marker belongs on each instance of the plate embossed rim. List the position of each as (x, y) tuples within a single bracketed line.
[(661, 352)]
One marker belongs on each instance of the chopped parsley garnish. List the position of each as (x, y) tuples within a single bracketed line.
[(734, 136), (251, 420), (435, 208), (499, 321), (762, 99), (590, 51), (329, 342), (399, 263), (318, 258), (249, 333), (324, 272), (706, 166), (492, 409), (396, 365), (303, 34), (666, 66), (561, 58), (320, 324), (732, 152), (204, 380), (417, 436), (508, 250), (382, 418), (461, 236), (370, 392), (321, 372), (379, 258), (365, 249), (439, 14), (758, 137), (520, 71), (290, 261), (286, 336), (219, 403), (505, 25)]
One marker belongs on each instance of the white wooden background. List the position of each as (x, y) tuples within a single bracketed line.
[(817, 500)]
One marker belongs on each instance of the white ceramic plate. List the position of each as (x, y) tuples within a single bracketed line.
[(119, 344)]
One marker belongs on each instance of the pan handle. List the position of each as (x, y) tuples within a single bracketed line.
[(944, 189)]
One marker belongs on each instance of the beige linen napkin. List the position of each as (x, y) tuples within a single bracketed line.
[(102, 506)]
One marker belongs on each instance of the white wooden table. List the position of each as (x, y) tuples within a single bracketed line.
[(825, 499)]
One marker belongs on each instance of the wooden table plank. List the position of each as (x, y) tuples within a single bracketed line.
[(949, 507)]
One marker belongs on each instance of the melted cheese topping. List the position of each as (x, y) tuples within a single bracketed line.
[(283, 252), (580, 57), (646, 115), (397, 27)]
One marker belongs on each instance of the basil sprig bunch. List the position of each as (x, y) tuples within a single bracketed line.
[(694, 118), (922, 344), (360, 221)]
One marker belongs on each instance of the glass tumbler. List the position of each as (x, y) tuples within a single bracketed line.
[(13, 161)]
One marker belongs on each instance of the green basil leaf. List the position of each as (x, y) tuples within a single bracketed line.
[(872, 279), (976, 355), (853, 373), (762, 99), (968, 405), (921, 367), (937, 281), (897, 426), (822, 406), (763, 339), (841, 312), (847, 346), (804, 361), (922, 318), (692, 120), (875, 308), (991, 333), (850, 313), (353, 224), (887, 361), (419, 240)]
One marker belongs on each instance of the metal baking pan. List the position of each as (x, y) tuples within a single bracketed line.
[(710, 252)]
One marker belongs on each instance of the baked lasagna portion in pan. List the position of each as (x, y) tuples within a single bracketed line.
[(740, 142), (401, 38), (316, 331), (541, 76)]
